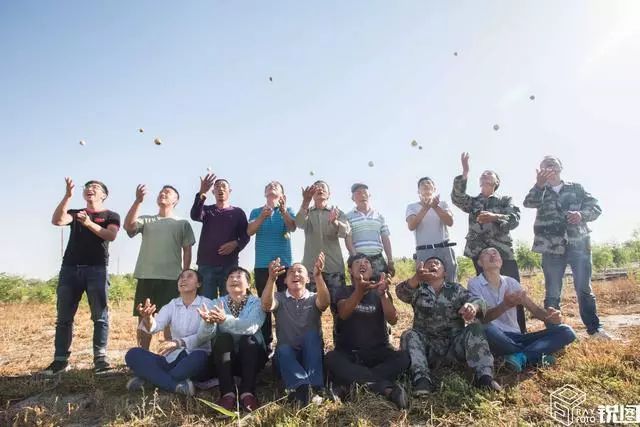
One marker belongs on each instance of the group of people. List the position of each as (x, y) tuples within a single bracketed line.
[(215, 327)]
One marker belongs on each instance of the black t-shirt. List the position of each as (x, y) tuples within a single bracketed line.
[(84, 247), (366, 328)]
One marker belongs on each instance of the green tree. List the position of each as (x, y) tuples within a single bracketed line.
[(621, 255), (526, 258), (602, 256), (466, 270)]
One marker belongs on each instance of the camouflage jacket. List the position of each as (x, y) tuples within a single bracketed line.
[(437, 316), (495, 234), (551, 229)]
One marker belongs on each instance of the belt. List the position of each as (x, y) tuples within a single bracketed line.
[(444, 244)]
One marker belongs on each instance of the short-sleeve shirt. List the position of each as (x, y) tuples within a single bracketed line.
[(272, 238), (84, 247), (296, 317), (431, 229), (366, 328), (479, 287), (367, 230), (160, 254)]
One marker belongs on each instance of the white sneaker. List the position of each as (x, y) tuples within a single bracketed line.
[(602, 335), (186, 388)]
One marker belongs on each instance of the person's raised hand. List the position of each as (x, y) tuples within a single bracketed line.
[(333, 216), (542, 176), (383, 284), (282, 204), (435, 201), (147, 310), (205, 313), (266, 212), (69, 186), (318, 266), (464, 159), (206, 183), (141, 191), (468, 312), (275, 269), (83, 218), (307, 195)]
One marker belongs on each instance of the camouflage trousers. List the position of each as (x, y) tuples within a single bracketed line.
[(469, 345)]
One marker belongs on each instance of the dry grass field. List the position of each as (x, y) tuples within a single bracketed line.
[(608, 372)]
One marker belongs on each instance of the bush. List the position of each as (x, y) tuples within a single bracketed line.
[(466, 270), (526, 258)]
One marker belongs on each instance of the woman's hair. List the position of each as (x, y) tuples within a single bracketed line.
[(238, 269), (198, 275)]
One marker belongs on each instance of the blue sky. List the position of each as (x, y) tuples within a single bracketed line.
[(353, 82)]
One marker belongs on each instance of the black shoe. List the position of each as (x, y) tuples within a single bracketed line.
[(56, 367), (488, 383), (423, 387), (100, 366), (338, 392), (301, 395), (399, 396)]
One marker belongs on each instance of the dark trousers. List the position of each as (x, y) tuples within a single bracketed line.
[(261, 275), (246, 362), (509, 268), (377, 368), (72, 283)]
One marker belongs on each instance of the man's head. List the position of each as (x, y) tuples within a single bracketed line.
[(552, 165), (238, 280), (322, 193), (168, 196), (297, 278), (95, 191), (426, 188), (490, 259), (435, 266), (221, 190), (360, 194), (489, 182), (273, 190), (359, 264)]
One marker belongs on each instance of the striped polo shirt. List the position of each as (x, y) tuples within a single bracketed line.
[(367, 231), (272, 239)]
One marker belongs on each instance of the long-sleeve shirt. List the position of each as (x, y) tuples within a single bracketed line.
[(494, 234), (436, 315), (320, 235), (219, 226), (248, 322), (183, 322), (551, 229)]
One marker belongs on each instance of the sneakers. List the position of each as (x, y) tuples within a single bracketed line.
[(423, 386), (56, 367), (515, 361), (488, 383), (249, 402), (300, 395), (547, 360), (399, 396), (136, 384), (100, 366), (601, 334), (228, 402), (186, 388)]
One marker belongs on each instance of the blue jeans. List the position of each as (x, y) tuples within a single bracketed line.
[(579, 258), (533, 345), (155, 368), (73, 281), (213, 280), (301, 364)]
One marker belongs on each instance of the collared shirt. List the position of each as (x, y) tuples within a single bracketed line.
[(321, 236), (494, 234), (431, 229), (272, 238), (183, 322), (248, 322), (436, 315), (367, 230), (551, 229), (480, 287), (295, 317)]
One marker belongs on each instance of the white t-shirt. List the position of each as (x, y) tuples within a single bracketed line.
[(558, 187), (431, 229)]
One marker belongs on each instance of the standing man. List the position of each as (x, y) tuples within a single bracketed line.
[(322, 226), (491, 219), (223, 235), (165, 252), (272, 225), (369, 233), (84, 269), (429, 219), (562, 237)]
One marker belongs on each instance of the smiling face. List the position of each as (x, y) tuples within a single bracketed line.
[(221, 190), (273, 190), (188, 282), (490, 259), (297, 278), (167, 197), (322, 194), (93, 193), (488, 183), (361, 266), (237, 285), (426, 189)]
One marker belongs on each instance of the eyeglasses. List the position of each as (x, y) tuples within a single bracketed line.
[(93, 187)]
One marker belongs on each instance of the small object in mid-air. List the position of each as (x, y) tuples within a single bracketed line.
[(455, 53), (532, 97), (82, 142), (270, 79), (370, 163), (157, 141), (140, 130), (312, 173), (496, 127), (420, 147), (209, 169), (414, 143)]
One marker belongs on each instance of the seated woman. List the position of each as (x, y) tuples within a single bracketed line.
[(182, 358), (232, 323)]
